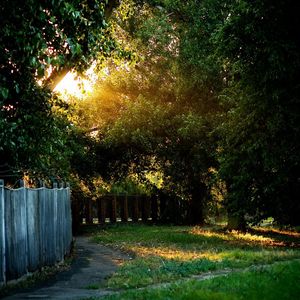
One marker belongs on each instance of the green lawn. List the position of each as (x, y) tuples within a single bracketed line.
[(279, 281), (165, 254)]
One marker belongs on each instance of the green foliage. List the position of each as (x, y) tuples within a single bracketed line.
[(153, 116), (212, 90), (41, 42), (259, 45), (128, 186)]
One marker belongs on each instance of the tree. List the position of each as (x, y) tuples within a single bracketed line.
[(259, 45), (165, 117), (40, 42)]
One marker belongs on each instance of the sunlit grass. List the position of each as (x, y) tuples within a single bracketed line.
[(240, 238), (167, 253), (173, 253), (279, 281)]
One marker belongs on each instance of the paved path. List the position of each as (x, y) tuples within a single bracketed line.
[(93, 263)]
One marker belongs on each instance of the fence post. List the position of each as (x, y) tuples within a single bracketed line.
[(124, 209), (113, 212), (101, 210), (88, 211), (135, 213), (154, 209), (2, 235), (145, 203)]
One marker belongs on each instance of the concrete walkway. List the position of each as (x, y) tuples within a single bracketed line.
[(92, 265)]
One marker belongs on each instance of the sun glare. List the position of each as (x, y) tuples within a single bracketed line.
[(74, 85)]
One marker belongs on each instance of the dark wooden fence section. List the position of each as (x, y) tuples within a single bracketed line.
[(116, 208), (35, 229)]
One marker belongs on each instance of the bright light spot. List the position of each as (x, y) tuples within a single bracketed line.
[(73, 85), (77, 86)]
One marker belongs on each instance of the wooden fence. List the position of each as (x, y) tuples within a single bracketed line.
[(116, 208), (35, 229)]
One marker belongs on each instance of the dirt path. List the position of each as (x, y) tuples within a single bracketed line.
[(93, 263)]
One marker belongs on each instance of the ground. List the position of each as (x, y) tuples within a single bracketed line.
[(176, 262)]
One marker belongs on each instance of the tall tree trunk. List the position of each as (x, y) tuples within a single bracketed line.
[(198, 195)]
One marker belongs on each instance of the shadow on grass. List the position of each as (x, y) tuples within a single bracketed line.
[(284, 238), (199, 237)]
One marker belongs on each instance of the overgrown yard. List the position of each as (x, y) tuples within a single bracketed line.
[(259, 264)]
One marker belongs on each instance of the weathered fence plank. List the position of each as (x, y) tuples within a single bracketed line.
[(43, 226), (2, 234), (16, 233), (68, 215), (49, 224), (33, 228), (60, 225)]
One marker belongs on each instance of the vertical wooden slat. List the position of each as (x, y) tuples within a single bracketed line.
[(101, 210), (42, 227), (48, 223), (124, 209), (113, 212), (8, 232), (135, 212), (154, 208), (88, 212), (17, 258), (2, 235), (59, 230), (143, 208), (33, 228), (69, 218)]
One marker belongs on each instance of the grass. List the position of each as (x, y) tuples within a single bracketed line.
[(169, 253), (279, 281)]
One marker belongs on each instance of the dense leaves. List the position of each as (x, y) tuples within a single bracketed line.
[(217, 70), (210, 98), (40, 42), (260, 44), (153, 117)]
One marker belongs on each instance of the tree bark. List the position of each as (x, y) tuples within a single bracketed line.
[(198, 195)]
